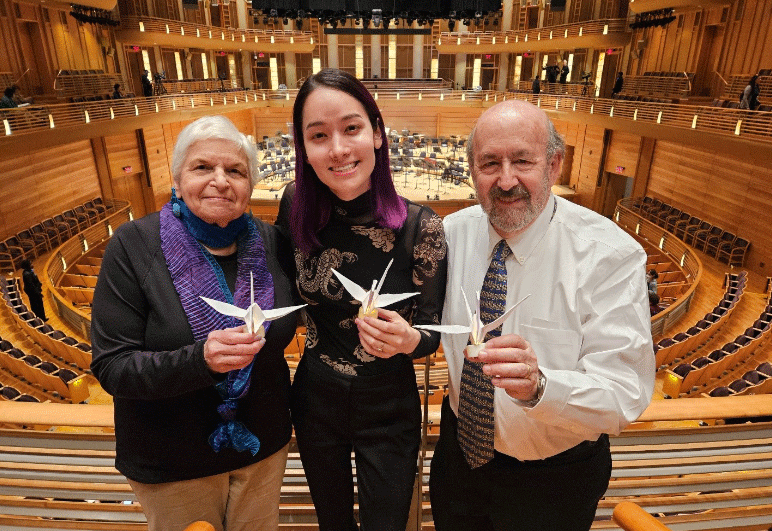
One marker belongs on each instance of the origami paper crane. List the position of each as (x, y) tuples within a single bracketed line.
[(372, 299), (476, 329), (253, 315)]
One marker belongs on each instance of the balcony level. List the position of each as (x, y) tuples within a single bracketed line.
[(148, 31), (593, 34)]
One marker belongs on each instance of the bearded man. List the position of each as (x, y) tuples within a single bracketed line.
[(524, 432)]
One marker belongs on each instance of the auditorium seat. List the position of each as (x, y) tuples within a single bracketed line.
[(714, 242), (701, 237), (721, 391)]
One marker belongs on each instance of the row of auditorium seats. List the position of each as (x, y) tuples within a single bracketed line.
[(56, 374), (645, 99), (9, 392), (99, 97), (669, 350), (704, 236), (754, 382), (690, 377), (69, 350), (50, 233), (735, 104)]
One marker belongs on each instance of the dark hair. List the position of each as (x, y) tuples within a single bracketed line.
[(653, 298), (117, 86), (25, 264), (753, 80), (9, 91), (653, 273), (312, 202)]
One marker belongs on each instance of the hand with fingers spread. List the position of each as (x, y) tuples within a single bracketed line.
[(387, 335), (231, 349), (512, 365)]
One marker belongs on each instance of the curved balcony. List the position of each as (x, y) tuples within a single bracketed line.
[(642, 6), (603, 33), (148, 31)]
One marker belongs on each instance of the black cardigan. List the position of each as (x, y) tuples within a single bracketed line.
[(145, 356)]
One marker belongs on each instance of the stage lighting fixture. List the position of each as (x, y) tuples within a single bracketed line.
[(273, 13), (377, 18)]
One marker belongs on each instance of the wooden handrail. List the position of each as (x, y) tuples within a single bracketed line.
[(668, 243), (67, 254), (733, 123), (575, 29), (190, 29), (101, 416), (632, 518)]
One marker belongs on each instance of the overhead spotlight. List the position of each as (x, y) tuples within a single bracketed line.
[(273, 13), (467, 22), (377, 18), (478, 14), (301, 14)]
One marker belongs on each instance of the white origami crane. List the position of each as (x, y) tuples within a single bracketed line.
[(476, 330), (372, 299), (253, 315)]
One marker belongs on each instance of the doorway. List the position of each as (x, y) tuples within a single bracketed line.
[(617, 187)]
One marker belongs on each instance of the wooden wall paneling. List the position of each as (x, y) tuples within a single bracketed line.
[(44, 183), (587, 188), (756, 226), (641, 182), (158, 155), (268, 120), (664, 169), (689, 179), (624, 150), (128, 171), (243, 121)]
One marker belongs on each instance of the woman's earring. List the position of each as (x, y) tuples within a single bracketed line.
[(175, 203)]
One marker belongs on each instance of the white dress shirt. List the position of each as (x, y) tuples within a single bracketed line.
[(587, 320)]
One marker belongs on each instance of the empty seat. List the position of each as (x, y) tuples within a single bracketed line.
[(738, 385), (721, 391)]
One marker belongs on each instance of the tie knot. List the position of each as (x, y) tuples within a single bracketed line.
[(501, 251)]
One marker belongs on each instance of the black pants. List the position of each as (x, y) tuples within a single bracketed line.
[(36, 305), (560, 493), (378, 417)]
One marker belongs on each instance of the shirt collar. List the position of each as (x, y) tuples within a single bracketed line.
[(523, 244)]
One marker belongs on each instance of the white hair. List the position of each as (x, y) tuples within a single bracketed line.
[(213, 127)]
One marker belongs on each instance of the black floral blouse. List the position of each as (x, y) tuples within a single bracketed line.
[(355, 246)]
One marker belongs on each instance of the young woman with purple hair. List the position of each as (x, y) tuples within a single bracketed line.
[(355, 387)]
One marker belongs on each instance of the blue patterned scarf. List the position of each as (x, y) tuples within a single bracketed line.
[(195, 273)]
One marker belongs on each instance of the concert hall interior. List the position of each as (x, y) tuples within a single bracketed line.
[(671, 153)]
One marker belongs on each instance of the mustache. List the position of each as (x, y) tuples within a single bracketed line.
[(516, 192)]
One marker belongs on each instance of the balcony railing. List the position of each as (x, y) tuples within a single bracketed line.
[(734, 123), (189, 29), (562, 31)]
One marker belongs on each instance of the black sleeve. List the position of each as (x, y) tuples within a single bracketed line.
[(133, 294), (430, 268)]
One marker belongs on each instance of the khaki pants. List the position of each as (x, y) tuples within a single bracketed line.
[(246, 499)]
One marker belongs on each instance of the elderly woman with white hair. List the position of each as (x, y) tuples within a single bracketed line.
[(202, 422)]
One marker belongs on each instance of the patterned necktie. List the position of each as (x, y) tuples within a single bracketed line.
[(475, 401)]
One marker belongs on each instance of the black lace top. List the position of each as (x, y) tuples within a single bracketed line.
[(355, 246)]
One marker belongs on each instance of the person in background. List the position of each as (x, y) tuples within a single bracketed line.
[(524, 432), (355, 388), (750, 98), (654, 306), (117, 94), (564, 71), (536, 85), (7, 102), (34, 289), (147, 85), (651, 280), (202, 421), (618, 83)]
